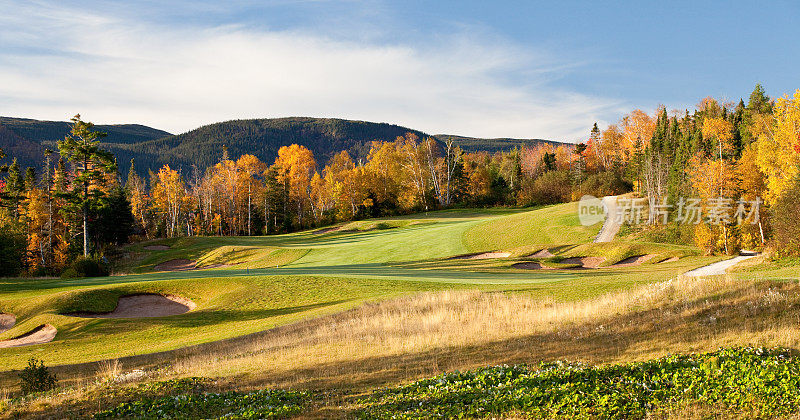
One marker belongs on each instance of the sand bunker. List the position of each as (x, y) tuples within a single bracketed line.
[(584, 262), (542, 253), (631, 261), (186, 265), (176, 265), (483, 256), (144, 306), (156, 247), (669, 260), (531, 266), (39, 335), (6, 322), (326, 230)]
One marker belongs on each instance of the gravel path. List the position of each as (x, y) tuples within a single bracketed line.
[(610, 226), (718, 268)]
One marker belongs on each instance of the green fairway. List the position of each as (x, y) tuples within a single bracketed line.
[(277, 280)]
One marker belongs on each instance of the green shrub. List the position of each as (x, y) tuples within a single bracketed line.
[(549, 188), (88, 267), (605, 183), (69, 273), (36, 377), (12, 250)]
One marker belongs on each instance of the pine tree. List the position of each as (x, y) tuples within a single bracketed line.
[(15, 187), (92, 165)]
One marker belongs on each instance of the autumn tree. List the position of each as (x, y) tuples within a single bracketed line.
[(168, 197), (250, 170), (295, 167), (779, 147)]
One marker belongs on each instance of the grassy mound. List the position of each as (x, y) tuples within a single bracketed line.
[(557, 224), (741, 381)]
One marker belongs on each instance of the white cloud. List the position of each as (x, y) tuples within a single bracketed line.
[(115, 70)]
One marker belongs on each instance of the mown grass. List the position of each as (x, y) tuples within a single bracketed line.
[(557, 224), (317, 274), (368, 304)]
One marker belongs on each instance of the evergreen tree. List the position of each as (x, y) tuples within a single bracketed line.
[(92, 165), (15, 187), (115, 221), (759, 102), (30, 179)]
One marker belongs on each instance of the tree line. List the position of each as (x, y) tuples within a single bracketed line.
[(80, 206)]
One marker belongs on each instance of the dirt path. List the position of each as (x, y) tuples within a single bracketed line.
[(610, 226), (39, 335), (176, 265), (156, 247), (718, 268), (144, 306)]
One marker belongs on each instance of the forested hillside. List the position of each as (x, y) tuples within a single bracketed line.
[(26, 139), (475, 144), (263, 137)]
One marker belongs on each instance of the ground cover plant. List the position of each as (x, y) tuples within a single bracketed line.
[(748, 382), (262, 404)]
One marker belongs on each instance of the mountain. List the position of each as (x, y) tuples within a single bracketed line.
[(26, 140), (263, 137), (474, 144)]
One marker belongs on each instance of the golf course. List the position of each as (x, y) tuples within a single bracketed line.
[(354, 306)]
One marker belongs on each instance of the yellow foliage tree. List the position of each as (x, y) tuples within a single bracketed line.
[(778, 155), (295, 166), (168, 197)]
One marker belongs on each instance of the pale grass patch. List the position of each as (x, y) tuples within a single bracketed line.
[(448, 319), (109, 370), (403, 339)]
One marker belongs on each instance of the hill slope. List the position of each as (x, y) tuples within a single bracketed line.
[(474, 144), (26, 140), (263, 137)]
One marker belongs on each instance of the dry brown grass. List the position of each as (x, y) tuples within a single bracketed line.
[(426, 334), (400, 340), (109, 370)]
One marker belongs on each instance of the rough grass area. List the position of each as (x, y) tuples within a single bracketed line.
[(382, 344), (739, 382)]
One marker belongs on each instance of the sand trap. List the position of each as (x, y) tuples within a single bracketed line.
[(6, 322), (144, 306), (156, 247), (326, 230), (531, 266), (483, 256), (669, 260), (542, 253), (186, 265), (176, 265), (39, 335), (584, 262), (631, 261)]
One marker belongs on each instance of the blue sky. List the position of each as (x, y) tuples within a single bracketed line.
[(491, 69)]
